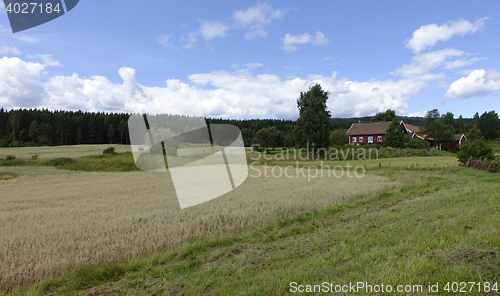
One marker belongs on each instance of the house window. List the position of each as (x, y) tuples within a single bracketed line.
[(361, 139), (354, 139), (370, 139), (379, 139)]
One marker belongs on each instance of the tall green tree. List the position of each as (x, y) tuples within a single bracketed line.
[(312, 129), (435, 128), (388, 115), (448, 119), (461, 125), (122, 128), (33, 130), (489, 124), (79, 135), (394, 137), (14, 121), (111, 133)]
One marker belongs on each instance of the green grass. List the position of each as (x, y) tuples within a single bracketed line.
[(437, 162), (437, 226), (495, 146), (125, 162), (92, 163)]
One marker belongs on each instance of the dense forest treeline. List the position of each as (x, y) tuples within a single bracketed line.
[(42, 127)]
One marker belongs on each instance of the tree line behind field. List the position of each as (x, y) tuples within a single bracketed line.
[(42, 127), (37, 127)]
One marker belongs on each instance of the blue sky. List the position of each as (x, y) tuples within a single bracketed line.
[(248, 59)]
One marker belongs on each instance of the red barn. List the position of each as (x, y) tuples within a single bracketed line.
[(453, 146)]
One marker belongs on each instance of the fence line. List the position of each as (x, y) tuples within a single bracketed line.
[(483, 165)]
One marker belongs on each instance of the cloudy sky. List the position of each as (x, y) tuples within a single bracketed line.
[(247, 59)]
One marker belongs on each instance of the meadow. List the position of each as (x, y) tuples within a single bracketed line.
[(56, 220), (95, 226), (438, 226)]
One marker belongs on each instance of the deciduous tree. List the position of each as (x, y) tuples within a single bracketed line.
[(394, 137), (388, 115), (312, 129)]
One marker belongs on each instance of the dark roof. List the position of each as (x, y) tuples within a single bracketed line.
[(372, 128), (458, 136)]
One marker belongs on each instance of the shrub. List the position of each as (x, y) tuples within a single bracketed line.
[(60, 161), (10, 157), (417, 143), (109, 150), (34, 156), (477, 149), (11, 160)]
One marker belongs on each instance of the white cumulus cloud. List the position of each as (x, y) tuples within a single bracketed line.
[(240, 94), (255, 19), (426, 62), (20, 84), (418, 114), (478, 82), (428, 35), (291, 42), (231, 94)]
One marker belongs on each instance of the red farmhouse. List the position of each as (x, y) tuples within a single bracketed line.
[(369, 133), (374, 133)]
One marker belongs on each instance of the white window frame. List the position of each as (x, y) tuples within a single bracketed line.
[(354, 139), (361, 139), (379, 139), (370, 139)]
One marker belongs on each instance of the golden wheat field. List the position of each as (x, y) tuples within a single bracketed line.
[(54, 220), (60, 151)]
